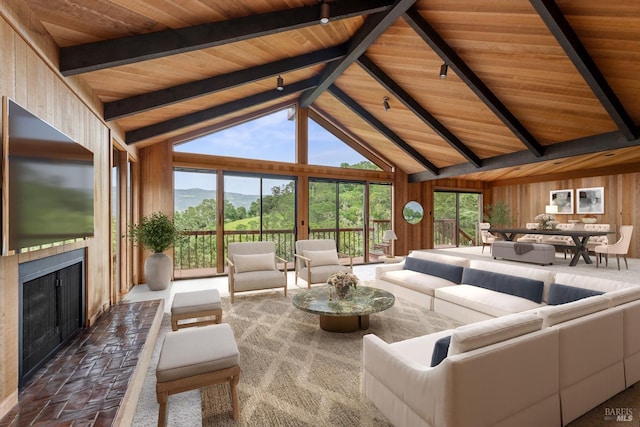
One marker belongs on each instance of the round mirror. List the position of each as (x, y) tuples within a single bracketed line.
[(413, 212)]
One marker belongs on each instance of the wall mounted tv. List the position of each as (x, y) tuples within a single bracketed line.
[(50, 183)]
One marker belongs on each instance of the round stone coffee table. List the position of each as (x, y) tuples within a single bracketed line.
[(343, 315)]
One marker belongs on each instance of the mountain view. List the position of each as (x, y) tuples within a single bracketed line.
[(194, 197)]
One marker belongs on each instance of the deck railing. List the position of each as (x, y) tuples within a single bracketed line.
[(197, 250)]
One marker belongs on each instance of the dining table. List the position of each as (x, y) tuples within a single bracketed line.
[(579, 237)]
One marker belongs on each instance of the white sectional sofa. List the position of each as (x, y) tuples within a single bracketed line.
[(516, 361)]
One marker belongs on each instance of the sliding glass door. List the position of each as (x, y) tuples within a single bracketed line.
[(337, 211), (259, 208), (455, 217)]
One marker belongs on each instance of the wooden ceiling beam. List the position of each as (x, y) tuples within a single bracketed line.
[(462, 70), (372, 28), (380, 127), (171, 125), (577, 147), (161, 98), (417, 109), (578, 54), (128, 50)]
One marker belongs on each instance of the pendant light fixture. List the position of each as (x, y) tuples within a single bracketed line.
[(385, 103), (280, 84)]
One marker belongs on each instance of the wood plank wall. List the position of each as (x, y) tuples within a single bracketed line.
[(29, 76), (621, 200)]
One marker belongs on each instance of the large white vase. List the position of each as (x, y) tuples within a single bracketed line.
[(157, 270)]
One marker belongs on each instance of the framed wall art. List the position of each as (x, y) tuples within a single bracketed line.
[(563, 199), (590, 200)]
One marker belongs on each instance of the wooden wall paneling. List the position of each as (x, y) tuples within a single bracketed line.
[(134, 255), (123, 283), (9, 352), (156, 187), (621, 198), (4, 177)]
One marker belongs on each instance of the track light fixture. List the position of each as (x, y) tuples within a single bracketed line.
[(385, 103), (443, 70), (324, 12), (280, 83)]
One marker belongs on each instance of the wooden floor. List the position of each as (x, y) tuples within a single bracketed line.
[(96, 378)]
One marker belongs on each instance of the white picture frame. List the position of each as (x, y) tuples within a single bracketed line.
[(563, 199), (590, 200)]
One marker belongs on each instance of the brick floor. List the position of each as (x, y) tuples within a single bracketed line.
[(85, 382)]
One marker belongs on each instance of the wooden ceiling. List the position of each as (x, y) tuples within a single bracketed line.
[(534, 87)]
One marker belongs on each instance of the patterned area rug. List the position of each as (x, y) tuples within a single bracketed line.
[(294, 373)]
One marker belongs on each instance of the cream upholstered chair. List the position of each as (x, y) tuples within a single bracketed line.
[(621, 247), (485, 235), (252, 266), (317, 259), (532, 238)]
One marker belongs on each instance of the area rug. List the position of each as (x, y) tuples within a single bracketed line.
[(294, 373)]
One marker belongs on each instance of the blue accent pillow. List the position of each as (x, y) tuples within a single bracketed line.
[(440, 350), (453, 273), (514, 285), (560, 294)]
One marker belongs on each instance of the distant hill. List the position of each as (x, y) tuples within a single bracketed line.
[(195, 196)]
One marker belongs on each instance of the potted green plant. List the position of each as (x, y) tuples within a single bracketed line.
[(156, 233), (498, 214)]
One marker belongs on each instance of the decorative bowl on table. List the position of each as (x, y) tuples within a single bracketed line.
[(589, 220)]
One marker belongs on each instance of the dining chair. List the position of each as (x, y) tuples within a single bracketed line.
[(486, 236), (621, 247)]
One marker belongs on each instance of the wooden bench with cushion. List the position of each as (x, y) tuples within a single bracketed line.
[(203, 306)]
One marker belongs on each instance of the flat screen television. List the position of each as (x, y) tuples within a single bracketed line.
[(50, 183)]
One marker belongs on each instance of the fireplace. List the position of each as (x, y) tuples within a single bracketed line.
[(52, 307)]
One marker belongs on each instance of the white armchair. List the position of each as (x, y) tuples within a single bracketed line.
[(253, 266), (317, 259), (621, 247)]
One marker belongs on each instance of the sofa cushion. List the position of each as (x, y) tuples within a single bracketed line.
[(254, 262), (591, 282), (437, 257), (415, 281), (484, 300), (452, 273), (505, 283), (546, 276), (487, 332), (440, 350), (326, 257), (561, 294), (554, 314), (419, 349)]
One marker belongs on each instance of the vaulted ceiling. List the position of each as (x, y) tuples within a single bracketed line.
[(534, 87)]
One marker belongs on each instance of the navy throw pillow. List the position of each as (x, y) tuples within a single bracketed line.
[(440, 350), (453, 273), (514, 285), (560, 294)]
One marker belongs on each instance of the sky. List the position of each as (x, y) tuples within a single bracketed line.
[(270, 137)]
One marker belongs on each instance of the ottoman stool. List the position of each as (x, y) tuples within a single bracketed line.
[(194, 358), (196, 304)]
